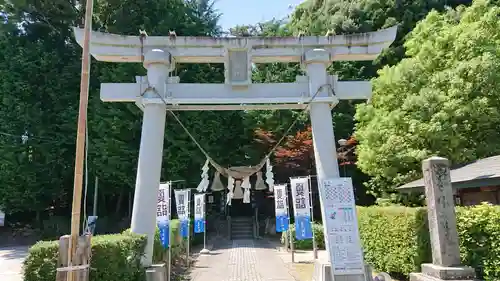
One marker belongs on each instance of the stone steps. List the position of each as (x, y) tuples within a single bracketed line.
[(241, 228)]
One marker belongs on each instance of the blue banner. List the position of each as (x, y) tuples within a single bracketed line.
[(184, 228), (199, 226), (164, 233), (303, 228), (281, 223)]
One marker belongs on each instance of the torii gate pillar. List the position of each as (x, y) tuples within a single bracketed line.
[(316, 61), (325, 153), (157, 63)]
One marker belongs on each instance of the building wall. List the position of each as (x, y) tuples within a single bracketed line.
[(475, 196)]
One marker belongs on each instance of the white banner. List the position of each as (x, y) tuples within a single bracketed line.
[(300, 195), (199, 206), (280, 200), (182, 203), (163, 205), (341, 227)]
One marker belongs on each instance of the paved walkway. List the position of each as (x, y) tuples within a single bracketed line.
[(241, 260), (11, 263)]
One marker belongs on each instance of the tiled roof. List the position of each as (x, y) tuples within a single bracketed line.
[(483, 169)]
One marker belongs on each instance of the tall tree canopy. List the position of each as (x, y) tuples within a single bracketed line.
[(442, 100), (40, 73)]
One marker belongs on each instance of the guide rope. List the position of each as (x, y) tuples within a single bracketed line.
[(195, 141)]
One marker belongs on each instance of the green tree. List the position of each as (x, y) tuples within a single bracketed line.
[(442, 100), (40, 86)]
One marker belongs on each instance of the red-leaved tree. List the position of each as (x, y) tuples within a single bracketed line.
[(295, 155)]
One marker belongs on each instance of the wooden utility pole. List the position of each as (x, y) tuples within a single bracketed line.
[(80, 140)]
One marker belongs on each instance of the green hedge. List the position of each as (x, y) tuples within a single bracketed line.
[(114, 258), (396, 239), (178, 247), (479, 231), (308, 244)]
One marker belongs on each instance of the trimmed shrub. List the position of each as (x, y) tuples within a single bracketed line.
[(114, 258), (178, 246), (308, 244), (479, 231), (396, 239)]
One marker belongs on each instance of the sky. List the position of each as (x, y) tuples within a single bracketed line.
[(238, 12)]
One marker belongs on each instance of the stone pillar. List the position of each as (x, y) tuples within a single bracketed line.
[(316, 62), (325, 153), (442, 225), (150, 152)]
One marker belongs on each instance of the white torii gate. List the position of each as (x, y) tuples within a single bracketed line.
[(161, 53)]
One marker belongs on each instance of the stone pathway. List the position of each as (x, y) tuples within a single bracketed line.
[(241, 260), (11, 263)]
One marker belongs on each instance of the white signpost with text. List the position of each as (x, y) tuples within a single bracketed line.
[(341, 226)]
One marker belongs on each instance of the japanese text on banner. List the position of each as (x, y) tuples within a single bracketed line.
[(182, 203), (302, 208), (280, 200), (199, 213), (281, 207), (163, 204), (163, 214), (300, 194), (199, 209)]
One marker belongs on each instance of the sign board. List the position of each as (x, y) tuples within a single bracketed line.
[(199, 213), (182, 202), (163, 214), (281, 207), (2, 218), (301, 208), (91, 224), (341, 226)]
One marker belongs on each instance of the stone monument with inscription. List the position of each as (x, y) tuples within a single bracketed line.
[(446, 263)]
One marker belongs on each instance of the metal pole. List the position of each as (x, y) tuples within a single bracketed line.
[(205, 221), (315, 246), (80, 138), (292, 247), (289, 231), (287, 243), (169, 251), (286, 237), (189, 226), (96, 187)]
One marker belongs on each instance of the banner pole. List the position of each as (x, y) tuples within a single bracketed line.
[(205, 251), (315, 246), (290, 236), (287, 243), (204, 221), (188, 226), (169, 252), (292, 247)]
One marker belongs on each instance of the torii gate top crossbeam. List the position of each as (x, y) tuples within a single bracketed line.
[(188, 49)]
